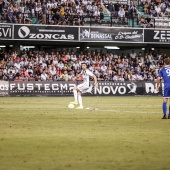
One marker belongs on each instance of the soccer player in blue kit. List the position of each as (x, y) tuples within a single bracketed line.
[(165, 74)]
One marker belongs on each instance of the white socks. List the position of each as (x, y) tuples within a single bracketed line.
[(75, 95), (80, 100)]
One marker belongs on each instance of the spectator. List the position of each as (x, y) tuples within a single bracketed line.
[(148, 21), (121, 14), (31, 77), (158, 10), (132, 10), (43, 76), (62, 16), (38, 10), (80, 11), (4, 10), (96, 14), (116, 6), (1, 6), (111, 7), (44, 13), (143, 22), (167, 12), (64, 76), (89, 9), (125, 7), (133, 55), (27, 17), (60, 65), (145, 7), (49, 4)]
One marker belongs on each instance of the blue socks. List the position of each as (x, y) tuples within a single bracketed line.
[(164, 108)]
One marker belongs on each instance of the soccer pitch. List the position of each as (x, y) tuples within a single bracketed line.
[(116, 133)]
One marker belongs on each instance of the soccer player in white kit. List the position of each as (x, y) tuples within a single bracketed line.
[(84, 87)]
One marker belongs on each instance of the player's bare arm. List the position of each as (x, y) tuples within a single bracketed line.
[(95, 81), (158, 83)]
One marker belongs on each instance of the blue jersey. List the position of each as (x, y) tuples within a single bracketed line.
[(165, 74)]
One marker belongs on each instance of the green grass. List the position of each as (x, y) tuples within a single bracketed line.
[(125, 133)]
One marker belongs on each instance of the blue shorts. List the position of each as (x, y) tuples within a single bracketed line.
[(166, 93)]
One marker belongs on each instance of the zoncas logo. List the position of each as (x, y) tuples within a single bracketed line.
[(24, 32)]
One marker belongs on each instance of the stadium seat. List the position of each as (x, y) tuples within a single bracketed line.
[(34, 20)]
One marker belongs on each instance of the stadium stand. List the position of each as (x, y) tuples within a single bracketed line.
[(51, 12), (29, 65), (159, 12), (71, 12)]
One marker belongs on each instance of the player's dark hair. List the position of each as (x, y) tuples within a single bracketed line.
[(87, 65), (84, 63), (166, 61)]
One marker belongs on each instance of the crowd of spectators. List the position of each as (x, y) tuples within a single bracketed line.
[(123, 11), (58, 12), (63, 12), (33, 65), (154, 9), (77, 12), (158, 8)]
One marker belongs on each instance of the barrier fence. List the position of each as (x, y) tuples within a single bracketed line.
[(62, 88), (109, 19)]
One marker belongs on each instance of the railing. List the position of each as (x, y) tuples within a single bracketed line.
[(84, 20), (152, 24)]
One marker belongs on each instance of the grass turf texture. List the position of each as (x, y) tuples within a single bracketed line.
[(43, 134)]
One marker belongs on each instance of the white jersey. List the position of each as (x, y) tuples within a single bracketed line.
[(86, 73)]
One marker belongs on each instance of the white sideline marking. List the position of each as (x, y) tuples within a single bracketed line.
[(90, 108), (114, 105), (119, 111), (126, 111), (133, 106)]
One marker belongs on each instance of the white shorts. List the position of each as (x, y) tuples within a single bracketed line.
[(83, 88)]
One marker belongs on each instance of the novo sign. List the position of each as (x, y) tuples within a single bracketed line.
[(50, 33), (111, 88)]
